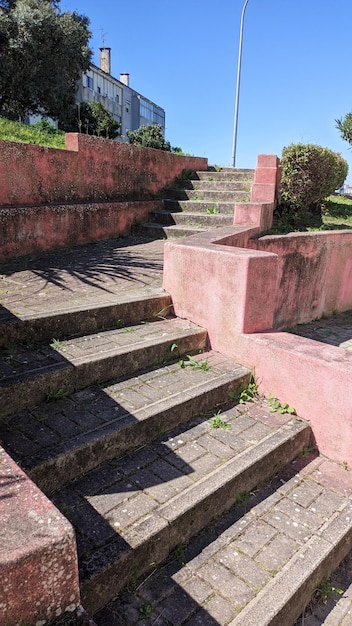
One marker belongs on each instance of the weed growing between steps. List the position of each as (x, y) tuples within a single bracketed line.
[(218, 422)]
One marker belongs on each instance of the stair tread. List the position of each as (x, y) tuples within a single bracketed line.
[(257, 565), (49, 439), (168, 490)]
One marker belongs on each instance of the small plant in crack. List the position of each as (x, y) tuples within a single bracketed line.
[(326, 590), (218, 422), (189, 361), (55, 394), (178, 553), (56, 344), (279, 407), (245, 394), (212, 210), (145, 611)]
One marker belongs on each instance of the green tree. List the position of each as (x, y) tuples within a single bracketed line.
[(96, 120), (151, 136), (344, 125), (42, 55)]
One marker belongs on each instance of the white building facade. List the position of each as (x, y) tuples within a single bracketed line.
[(126, 105)]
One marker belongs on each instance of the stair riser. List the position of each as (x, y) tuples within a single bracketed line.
[(118, 438), (79, 323), (178, 526), (223, 208), (203, 221), (31, 391), (160, 232)]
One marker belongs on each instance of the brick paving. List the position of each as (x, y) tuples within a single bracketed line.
[(215, 576), (335, 330), (79, 277)]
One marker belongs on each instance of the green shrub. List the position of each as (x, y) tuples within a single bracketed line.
[(309, 174), (150, 137)]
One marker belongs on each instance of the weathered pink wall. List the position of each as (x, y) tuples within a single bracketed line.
[(314, 274), (90, 169), (38, 561), (96, 189), (24, 230)]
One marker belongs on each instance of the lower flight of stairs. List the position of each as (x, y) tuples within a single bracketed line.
[(202, 201), (136, 432)]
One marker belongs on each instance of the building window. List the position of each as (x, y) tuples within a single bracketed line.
[(117, 98), (98, 89), (128, 104), (89, 82)]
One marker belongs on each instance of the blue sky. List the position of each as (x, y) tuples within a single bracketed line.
[(182, 54)]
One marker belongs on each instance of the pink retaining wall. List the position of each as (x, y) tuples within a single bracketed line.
[(95, 189), (38, 562), (90, 169)]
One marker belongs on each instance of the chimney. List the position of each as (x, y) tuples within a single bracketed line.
[(125, 79), (105, 60)]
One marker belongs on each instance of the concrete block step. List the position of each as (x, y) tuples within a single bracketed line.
[(201, 220), (57, 442), (78, 320), (228, 173), (257, 565), (152, 229), (29, 376), (221, 184), (134, 510), (199, 206), (211, 195)]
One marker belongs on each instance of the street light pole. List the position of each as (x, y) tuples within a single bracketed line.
[(238, 85)]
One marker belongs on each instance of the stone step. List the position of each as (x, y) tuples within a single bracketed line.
[(201, 220), (228, 173), (199, 206), (217, 185), (160, 231), (73, 320), (211, 195), (134, 510), (259, 564), (29, 376), (57, 442)]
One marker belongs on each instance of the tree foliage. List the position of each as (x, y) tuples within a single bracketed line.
[(309, 174), (42, 55), (94, 119), (344, 125), (151, 136)]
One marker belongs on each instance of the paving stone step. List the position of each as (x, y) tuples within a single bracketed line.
[(257, 565), (221, 184), (134, 510), (57, 442), (202, 220), (209, 195), (199, 206), (227, 173), (29, 376), (153, 229), (73, 320)]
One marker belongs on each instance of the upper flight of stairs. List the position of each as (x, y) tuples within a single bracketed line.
[(148, 452), (204, 201)]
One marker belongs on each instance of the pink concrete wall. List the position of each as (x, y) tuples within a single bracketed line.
[(39, 573), (314, 274), (26, 230), (90, 169)]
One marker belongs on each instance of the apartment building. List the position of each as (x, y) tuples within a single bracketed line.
[(126, 105)]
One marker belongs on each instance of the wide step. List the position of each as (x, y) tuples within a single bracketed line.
[(134, 510), (29, 376), (57, 442), (256, 566)]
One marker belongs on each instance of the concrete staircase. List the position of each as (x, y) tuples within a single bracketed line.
[(204, 200), (148, 452)]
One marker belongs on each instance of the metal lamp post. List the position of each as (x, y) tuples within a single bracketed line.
[(238, 85)]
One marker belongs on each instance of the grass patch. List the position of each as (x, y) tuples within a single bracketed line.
[(23, 133)]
